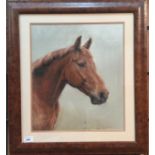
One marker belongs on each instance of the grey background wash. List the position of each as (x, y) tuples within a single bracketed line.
[(76, 110)]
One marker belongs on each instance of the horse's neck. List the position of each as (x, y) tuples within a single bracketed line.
[(49, 86)]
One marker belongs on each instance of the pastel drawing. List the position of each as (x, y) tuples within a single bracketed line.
[(73, 65)]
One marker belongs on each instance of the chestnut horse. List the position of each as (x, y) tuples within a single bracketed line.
[(50, 74)]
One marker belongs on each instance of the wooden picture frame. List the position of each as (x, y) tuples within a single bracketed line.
[(138, 8)]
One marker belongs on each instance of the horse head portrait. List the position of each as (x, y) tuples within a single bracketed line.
[(73, 65)]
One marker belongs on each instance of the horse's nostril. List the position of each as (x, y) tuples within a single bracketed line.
[(102, 95)]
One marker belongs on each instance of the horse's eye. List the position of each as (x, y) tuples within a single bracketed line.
[(82, 64)]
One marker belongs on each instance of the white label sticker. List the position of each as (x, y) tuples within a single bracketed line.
[(28, 139)]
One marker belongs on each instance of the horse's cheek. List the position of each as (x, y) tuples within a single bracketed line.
[(72, 77), (76, 79)]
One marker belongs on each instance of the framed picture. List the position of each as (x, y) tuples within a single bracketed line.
[(77, 77)]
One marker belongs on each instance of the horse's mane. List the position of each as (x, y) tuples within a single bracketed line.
[(40, 65)]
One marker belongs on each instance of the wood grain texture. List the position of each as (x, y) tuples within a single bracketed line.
[(137, 7)]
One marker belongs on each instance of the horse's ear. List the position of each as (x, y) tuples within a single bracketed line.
[(88, 44), (77, 44)]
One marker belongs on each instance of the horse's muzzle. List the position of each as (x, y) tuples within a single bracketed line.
[(100, 99)]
